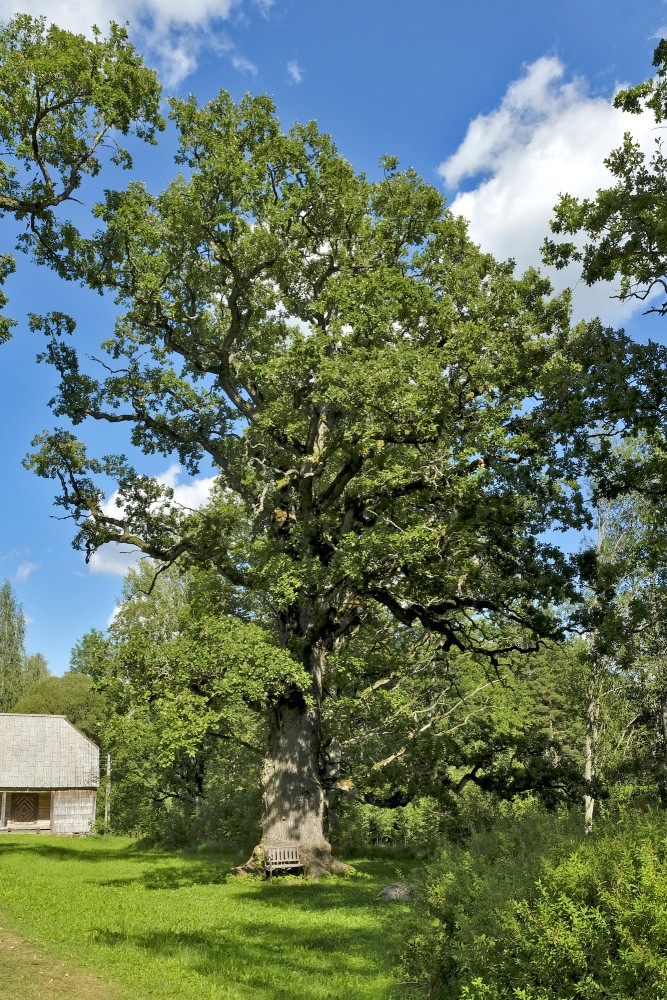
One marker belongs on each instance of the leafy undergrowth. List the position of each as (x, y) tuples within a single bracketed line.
[(532, 910), (158, 925)]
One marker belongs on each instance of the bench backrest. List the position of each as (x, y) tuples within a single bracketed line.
[(282, 854)]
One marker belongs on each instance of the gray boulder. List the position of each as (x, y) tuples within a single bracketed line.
[(397, 891)]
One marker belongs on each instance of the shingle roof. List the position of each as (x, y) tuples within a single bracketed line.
[(46, 751)]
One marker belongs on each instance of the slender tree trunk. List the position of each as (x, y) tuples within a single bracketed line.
[(593, 694), (292, 791), (663, 769), (590, 752), (107, 796)]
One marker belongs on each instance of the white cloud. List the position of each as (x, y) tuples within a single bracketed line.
[(162, 13), (114, 559), (190, 496), (24, 570), (548, 136), (114, 614), (169, 32), (294, 71), (243, 65)]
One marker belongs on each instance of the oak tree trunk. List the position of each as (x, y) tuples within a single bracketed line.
[(292, 792)]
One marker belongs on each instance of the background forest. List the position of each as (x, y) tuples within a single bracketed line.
[(368, 636)]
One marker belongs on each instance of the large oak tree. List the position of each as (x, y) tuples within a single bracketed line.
[(394, 418)]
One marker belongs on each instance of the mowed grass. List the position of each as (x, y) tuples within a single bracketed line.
[(165, 925)]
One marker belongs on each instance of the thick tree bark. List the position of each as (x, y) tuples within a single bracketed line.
[(292, 792)]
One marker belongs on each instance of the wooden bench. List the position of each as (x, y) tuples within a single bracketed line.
[(281, 856)]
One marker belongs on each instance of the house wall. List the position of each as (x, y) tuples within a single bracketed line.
[(44, 810), (43, 821), (73, 811)]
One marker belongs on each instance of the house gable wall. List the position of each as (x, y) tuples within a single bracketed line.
[(46, 752)]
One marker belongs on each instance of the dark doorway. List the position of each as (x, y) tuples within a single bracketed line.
[(24, 807)]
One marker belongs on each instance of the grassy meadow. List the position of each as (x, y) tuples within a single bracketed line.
[(105, 917)]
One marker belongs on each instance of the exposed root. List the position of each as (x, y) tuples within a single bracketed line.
[(316, 859)]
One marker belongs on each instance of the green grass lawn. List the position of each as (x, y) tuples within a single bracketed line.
[(157, 925)]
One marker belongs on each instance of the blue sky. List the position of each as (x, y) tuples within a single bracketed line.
[(502, 106)]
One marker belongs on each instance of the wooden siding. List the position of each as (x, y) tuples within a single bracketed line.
[(44, 808), (73, 811)]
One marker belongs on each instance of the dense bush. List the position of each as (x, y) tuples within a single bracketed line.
[(162, 809), (530, 912), (418, 825)]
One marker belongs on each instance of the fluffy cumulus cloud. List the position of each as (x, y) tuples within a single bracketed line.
[(114, 559), (547, 136), (170, 32)]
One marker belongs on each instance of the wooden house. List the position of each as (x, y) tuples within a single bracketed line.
[(49, 775)]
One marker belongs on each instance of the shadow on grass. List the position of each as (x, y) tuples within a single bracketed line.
[(91, 849), (281, 939), (344, 893), (161, 872), (217, 870), (162, 877), (278, 960), (79, 850)]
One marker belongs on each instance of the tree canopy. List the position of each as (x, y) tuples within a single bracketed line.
[(72, 695), (623, 225), (18, 671), (64, 100), (394, 418)]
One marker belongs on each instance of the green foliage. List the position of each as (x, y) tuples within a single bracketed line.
[(395, 421), (182, 687), (18, 671), (12, 648), (524, 912), (209, 796), (376, 394), (408, 722), (72, 695), (35, 669), (62, 98), (624, 224), (417, 825), (622, 670), (190, 673)]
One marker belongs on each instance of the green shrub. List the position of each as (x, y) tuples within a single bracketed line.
[(530, 912), (418, 825)]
